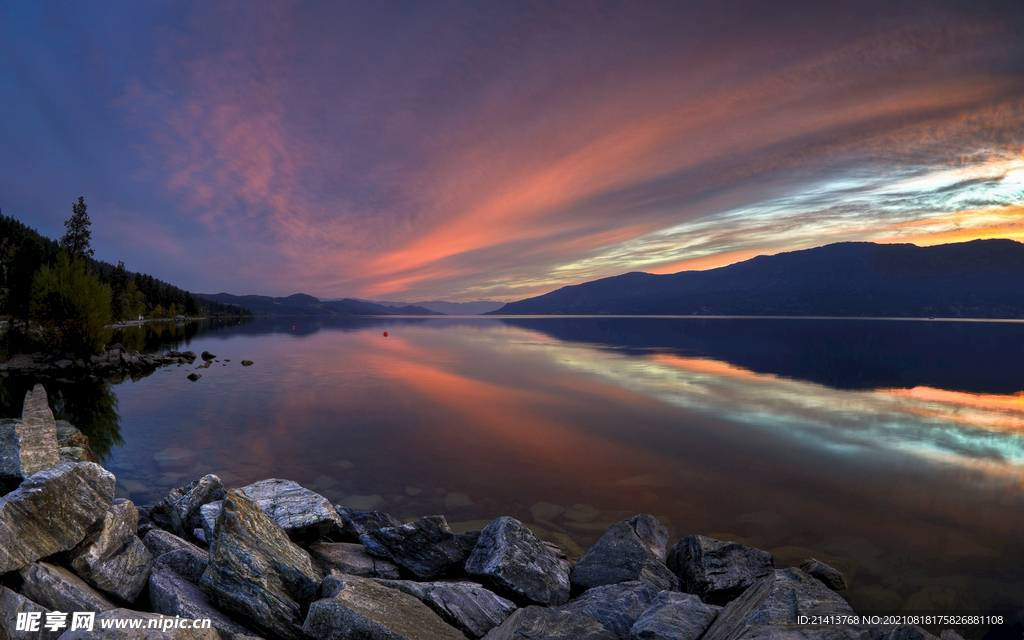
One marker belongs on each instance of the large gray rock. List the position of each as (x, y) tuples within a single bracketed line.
[(52, 511), (60, 590), (173, 595), (11, 604), (632, 549), (355, 523), (717, 571), (466, 606), (616, 606), (112, 558), (99, 633), (29, 445), (354, 607), (185, 558), (772, 606), (305, 515), (256, 572), (510, 560), (352, 559), (179, 511), (674, 616), (535, 622), (426, 547)]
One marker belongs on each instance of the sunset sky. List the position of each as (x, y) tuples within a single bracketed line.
[(499, 150)]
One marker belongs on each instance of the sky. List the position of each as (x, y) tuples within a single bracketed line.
[(499, 150)]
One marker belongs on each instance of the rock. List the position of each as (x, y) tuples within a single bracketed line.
[(256, 572), (247, 363), (355, 523), (674, 616), (52, 511), (545, 511), (305, 515), (151, 633), (510, 560), (179, 511), (549, 624), (208, 514), (355, 607), (830, 577), (616, 606), (717, 571), (60, 590), (771, 607), (632, 549), (172, 595), (208, 356), (194, 376), (466, 606), (160, 542), (29, 445), (112, 558), (350, 558), (11, 604), (427, 547)]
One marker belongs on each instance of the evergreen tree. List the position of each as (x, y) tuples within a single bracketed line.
[(76, 241)]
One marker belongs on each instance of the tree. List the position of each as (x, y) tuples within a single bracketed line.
[(76, 240), (119, 303), (72, 305), (28, 258)]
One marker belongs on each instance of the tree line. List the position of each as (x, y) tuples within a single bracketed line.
[(71, 297)]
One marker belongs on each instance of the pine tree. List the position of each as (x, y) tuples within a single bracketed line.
[(76, 241)]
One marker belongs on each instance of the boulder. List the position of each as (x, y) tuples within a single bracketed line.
[(60, 590), (194, 376), (632, 549), (549, 624), (674, 616), (352, 559), (185, 558), (247, 363), (466, 606), (52, 511), (172, 595), (97, 632), (179, 511), (426, 547), (306, 516), (112, 558), (355, 523), (29, 445), (717, 571), (354, 607), (616, 606), (256, 572), (208, 356), (830, 577), (160, 542), (510, 560), (11, 604)]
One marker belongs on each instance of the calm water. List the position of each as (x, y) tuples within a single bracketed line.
[(892, 449)]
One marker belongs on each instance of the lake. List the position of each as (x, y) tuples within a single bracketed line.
[(893, 450)]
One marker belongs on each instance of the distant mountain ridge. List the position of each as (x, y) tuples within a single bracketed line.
[(301, 304), (448, 308), (977, 279)]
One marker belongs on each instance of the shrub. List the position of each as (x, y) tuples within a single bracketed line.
[(72, 305)]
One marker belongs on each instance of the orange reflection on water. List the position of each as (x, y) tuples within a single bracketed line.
[(997, 412)]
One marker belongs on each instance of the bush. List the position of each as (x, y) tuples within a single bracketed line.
[(72, 305)]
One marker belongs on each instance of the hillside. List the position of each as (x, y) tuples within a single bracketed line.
[(301, 304)]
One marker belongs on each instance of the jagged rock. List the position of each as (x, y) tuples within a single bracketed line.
[(717, 571), (60, 590), (354, 607), (466, 606), (208, 514), (770, 608), (256, 572), (52, 511), (186, 559), (632, 549), (11, 604), (674, 616), (29, 445), (99, 633), (179, 511), (160, 542), (305, 515), (173, 595), (351, 559), (512, 561), (427, 547), (831, 578), (549, 624), (112, 558), (355, 523), (616, 606)]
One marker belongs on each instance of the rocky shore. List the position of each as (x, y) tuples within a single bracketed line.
[(275, 560), (115, 363)]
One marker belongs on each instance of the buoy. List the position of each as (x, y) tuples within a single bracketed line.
[(293, 326), (385, 334)]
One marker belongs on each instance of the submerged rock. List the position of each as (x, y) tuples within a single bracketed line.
[(633, 549), (510, 560), (426, 547), (466, 606), (717, 571)]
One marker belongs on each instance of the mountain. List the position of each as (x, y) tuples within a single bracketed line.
[(301, 304), (977, 279), (447, 308)]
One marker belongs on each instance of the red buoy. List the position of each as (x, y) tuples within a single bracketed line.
[(385, 334)]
